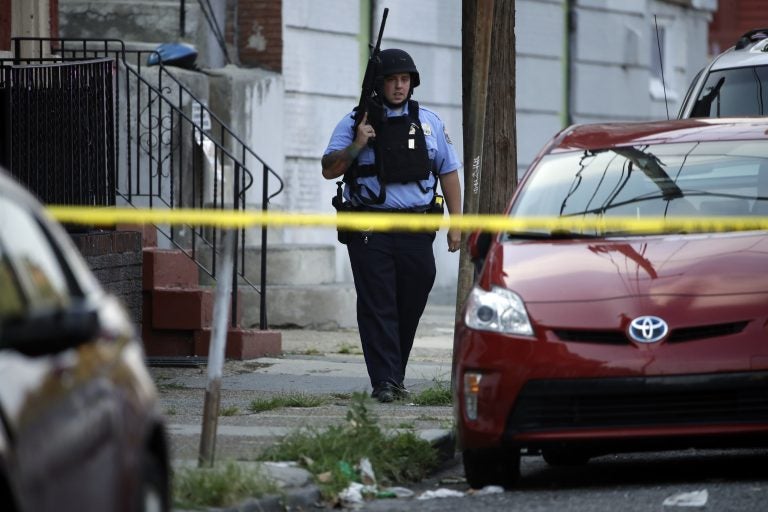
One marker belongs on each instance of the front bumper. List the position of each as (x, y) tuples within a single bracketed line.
[(539, 392)]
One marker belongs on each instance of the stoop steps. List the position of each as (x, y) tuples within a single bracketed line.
[(302, 291), (301, 288), (178, 311)]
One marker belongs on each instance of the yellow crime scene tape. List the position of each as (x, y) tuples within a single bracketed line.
[(366, 221)]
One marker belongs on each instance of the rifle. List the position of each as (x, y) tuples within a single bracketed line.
[(369, 79), (366, 94)]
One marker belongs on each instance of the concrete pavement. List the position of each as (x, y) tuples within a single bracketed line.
[(328, 363)]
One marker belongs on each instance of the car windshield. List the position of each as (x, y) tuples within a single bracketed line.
[(734, 92), (698, 179)]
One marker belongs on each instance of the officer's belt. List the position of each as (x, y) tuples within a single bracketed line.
[(411, 209)]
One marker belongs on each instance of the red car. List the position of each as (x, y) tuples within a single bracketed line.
[(609, 338)]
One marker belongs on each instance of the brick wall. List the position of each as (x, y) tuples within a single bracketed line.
[(115, 257), (258, 32), (732, 19)]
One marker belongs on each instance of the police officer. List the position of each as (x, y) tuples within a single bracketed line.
[(392, 162)]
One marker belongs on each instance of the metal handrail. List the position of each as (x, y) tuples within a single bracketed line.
[(79, 49)]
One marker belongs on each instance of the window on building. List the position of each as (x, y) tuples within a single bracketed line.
[(660, 65)]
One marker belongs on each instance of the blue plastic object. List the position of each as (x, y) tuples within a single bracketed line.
[(182, 55)]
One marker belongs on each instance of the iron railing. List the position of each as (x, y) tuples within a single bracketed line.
[(171, 150)]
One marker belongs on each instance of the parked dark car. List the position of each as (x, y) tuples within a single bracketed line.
[(583, 342), (79, 429), (734, 83)]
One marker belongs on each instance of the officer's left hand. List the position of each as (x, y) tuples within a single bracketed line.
[(454, 240)]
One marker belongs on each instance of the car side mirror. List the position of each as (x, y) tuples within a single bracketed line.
[(51, 332), (479, 242)]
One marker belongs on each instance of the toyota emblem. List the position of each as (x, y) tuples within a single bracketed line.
[(648, 329)]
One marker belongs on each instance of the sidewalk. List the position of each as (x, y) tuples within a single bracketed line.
[(313, 362)]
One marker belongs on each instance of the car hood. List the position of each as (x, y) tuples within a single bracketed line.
[(579, 270)]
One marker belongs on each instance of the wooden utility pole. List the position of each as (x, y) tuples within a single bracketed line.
[(477, 23), (499, 146), (490, 155)]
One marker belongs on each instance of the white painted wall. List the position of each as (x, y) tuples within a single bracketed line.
[(611, 78), (612, 57)]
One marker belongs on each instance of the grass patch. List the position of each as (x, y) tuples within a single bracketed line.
[(223, 485), (287, 400), (439, 393), (346, 348), (232, 410), (170, 385), (397, 458)]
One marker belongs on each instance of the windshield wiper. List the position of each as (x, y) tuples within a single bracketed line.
[(555, 234)]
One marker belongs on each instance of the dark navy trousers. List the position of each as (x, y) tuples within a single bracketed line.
[(394, 273)]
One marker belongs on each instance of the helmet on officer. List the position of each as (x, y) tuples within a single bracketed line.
[(392, 61)]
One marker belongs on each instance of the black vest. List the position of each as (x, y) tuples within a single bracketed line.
[(401, 148), (400, 151)]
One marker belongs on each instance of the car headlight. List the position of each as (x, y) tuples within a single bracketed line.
[(498, 310)]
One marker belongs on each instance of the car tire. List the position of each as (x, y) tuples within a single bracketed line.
[(564, 457), (155, 491), (492, 467)]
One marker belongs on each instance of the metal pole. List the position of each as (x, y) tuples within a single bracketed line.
[(182, 20), (263, 284), (216, 352)]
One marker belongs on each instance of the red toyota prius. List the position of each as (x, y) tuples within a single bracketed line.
[(640, 321)]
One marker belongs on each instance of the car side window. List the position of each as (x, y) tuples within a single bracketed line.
[(11, 301), (30, 261), (734, 92)]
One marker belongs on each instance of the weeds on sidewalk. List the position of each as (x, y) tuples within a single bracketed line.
[(331, 454), (437, 394), (287, 400), (223, 485)]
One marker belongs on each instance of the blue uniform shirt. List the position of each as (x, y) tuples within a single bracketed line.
[(401, 195)]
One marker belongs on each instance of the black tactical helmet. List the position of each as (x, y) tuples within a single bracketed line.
[(394, 61)]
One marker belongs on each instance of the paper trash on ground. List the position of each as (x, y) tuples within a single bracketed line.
[(687, 499), (440, 493)]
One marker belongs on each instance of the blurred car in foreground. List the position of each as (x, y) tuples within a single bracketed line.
[(734, 83), (578, 343), (78, 423)]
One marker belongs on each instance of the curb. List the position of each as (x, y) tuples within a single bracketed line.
[(308, 495), (303, 498)]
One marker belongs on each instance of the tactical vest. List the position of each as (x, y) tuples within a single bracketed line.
[(400, 151)]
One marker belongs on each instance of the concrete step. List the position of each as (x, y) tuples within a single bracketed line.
[(241, 343), (178, 308), (287, 264), (293, 264), (321, 306), (168, 268)]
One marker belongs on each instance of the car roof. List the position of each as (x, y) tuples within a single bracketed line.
[(608, 135), (755, 54)]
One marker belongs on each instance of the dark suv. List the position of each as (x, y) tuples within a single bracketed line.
[(734, 84)]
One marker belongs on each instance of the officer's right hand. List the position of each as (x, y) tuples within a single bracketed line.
[(365, 132)]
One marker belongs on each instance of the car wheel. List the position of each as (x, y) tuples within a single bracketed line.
[(155, 496), (492, 467), (564, 457)]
